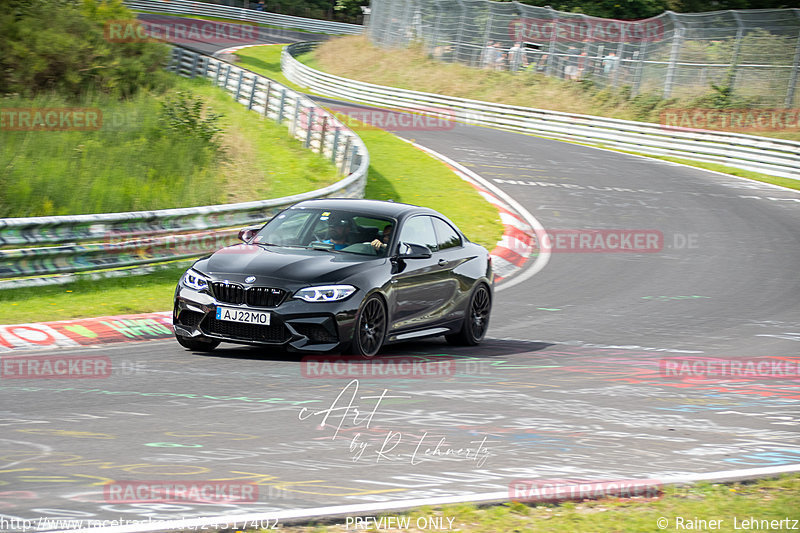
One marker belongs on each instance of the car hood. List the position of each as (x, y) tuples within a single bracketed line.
[(291, 264)]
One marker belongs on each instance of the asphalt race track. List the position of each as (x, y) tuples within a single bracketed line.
[(573, 381)]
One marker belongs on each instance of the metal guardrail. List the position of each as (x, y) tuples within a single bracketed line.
[(246, 15), (49, 246), (775, 157)]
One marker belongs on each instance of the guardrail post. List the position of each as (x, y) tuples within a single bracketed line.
[(335, 146), (252, 93), (195, 57), (206, 62), (296, 116), (227, 77), (310, 127), (178, 60), (354, 161), (266, 97), (793, 77), (347, 146), (239, 85), (281, 106)]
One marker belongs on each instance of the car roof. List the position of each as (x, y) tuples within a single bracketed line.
[(367, 207)]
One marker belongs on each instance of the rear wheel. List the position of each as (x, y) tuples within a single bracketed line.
[(197, 344), (476, 319), (370, 328)]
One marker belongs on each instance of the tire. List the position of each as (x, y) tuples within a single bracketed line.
[(476, 319), (370, 330), (197, 344)]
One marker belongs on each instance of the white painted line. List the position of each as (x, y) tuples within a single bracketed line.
[(399, 505)]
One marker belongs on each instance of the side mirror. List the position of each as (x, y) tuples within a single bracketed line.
[(414, 251), (246, 234)]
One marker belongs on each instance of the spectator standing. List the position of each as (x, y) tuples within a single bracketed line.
[(516, 57)]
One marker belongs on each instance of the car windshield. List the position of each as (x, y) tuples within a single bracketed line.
[(330, 230)]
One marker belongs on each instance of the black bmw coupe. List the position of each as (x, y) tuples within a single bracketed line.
[(339, 275)]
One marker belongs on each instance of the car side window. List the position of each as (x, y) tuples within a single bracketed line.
[(446, 236), (419, 230)]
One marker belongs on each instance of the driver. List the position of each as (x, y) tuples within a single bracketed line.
[(339, 231)]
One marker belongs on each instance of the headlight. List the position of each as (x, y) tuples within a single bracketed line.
[(194, 280), (325, 293)]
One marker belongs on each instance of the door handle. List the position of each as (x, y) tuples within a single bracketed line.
[(442, 262)]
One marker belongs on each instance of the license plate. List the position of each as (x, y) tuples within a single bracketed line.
[(243, 315)]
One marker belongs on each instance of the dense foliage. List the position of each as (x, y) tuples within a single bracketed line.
[(61, 46)]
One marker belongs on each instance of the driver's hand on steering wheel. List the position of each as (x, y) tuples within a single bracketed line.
[(378, 244)]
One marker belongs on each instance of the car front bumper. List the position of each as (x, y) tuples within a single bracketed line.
[(295, 325)]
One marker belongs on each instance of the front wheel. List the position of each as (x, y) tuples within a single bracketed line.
[(197, 344), (476, 319), (370, 328)]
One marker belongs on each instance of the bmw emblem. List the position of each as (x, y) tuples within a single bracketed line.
[(249, 279)]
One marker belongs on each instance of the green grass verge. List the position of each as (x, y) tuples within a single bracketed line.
[(132, 162), (775, 499)]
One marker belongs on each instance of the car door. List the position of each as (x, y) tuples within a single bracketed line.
[(421, 288)]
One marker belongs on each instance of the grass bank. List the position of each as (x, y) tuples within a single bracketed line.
[(680, 509), (134, 162)]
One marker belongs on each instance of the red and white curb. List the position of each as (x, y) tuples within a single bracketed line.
[(86, 331)]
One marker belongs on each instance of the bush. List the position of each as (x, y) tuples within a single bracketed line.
[(60, 46)]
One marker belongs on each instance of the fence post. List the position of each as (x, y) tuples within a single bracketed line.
[(281, 106), (310, 127), (551, 57), (793, 77), (737, 48), (460, 28), (677, 39), (335, 146), (323, 133)]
